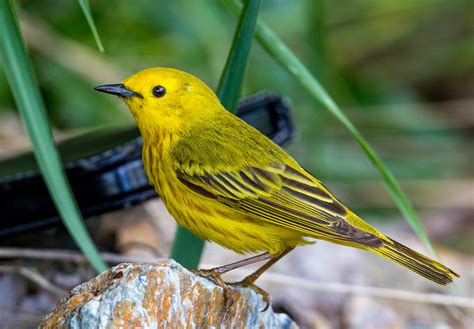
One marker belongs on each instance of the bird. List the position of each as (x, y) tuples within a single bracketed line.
[(228, 183)]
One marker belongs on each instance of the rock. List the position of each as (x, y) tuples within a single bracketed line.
[(159, 295)]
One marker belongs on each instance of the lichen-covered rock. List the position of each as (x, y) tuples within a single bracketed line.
[(159, 295)]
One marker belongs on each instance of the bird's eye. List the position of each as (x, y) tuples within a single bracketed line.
[(159, 91)]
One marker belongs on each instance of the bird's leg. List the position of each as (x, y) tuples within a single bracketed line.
[(255, 275), (209, 273), (249, 281), (215, 273)]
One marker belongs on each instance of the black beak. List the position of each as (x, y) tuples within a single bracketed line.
[(117, 89)]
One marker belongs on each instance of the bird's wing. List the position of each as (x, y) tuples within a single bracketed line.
[(281, 195)]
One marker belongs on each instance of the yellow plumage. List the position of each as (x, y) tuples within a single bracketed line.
[(228, 183)]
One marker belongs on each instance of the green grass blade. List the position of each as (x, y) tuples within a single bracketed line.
[(285, 57), (86, 9), (187, 248), (21, 78), (230, 84)]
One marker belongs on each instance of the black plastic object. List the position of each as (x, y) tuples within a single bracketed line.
[(105, 170)]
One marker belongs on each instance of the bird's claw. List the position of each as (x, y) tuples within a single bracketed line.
[(257, 289), (215, 276)]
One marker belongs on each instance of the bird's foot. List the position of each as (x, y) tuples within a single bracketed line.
[(250, 284), (214, 274)]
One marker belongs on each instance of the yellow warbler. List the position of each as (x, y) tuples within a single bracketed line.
[(228, 183)]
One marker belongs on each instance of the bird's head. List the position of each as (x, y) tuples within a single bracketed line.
[(165, 100)]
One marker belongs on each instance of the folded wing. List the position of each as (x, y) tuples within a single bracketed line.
[(281, 195)]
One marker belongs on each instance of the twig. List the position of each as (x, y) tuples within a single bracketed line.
[(333, 287), (342, 288), (34, 276), (67, 255)]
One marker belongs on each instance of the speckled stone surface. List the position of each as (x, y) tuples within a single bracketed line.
[(159, 295)]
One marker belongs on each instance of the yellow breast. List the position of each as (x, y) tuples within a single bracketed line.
[(208, 218)]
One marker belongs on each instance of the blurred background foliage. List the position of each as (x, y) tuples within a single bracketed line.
[(403, 71)]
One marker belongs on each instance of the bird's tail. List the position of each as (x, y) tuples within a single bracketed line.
[(416, 262)]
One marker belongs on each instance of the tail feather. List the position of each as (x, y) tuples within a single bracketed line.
[(416, 262)]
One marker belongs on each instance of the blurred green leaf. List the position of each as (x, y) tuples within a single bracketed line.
[(285, 57), (230, 84), (21, 78), (187, 248), (86, 9)]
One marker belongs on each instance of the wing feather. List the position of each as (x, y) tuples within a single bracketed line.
[(279, 194)]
